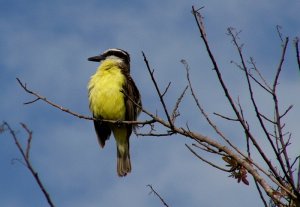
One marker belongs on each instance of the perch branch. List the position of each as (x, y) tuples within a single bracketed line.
[(42, 98)]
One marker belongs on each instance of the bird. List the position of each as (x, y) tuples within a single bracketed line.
[(113, 95)]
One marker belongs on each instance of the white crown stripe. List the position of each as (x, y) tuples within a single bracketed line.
[(116, 50), (118, 53)]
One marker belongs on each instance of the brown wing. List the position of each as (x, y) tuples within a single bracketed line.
[(132, 111), (103, 132)]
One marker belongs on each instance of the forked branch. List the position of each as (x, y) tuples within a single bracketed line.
[(25, 155)]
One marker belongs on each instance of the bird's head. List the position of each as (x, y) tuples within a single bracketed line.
[(113, 53)]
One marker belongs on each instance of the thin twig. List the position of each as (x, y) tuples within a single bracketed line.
[(266, 118), (295, 160), (206, 161), (157, 194), (155, 134), (30, 102), (253, 78), (175, 112), (280, 63), (225, 117), (297, 51), (39, 97), (166, 90), (205, 147), (286, 111), (278, 28), (248, 129), (298, 183), (260, 194), (157, 90), (29, 132), (260, 75)]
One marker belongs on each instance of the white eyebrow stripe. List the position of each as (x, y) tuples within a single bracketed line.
[(116, 50)]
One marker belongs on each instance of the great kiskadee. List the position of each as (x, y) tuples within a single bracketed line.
[(109, 89)]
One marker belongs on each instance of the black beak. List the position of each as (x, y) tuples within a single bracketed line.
[(97, 58)]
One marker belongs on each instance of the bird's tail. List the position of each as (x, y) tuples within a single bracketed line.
[(123, 159), (122, 135)]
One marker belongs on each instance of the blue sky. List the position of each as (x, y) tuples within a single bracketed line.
[(46, 45)]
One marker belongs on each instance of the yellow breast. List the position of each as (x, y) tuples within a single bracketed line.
[(105, 96)]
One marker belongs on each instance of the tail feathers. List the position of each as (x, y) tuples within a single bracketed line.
[(103, 132), (123, 160)]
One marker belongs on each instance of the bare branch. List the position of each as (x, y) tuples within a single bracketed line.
[(29, 132), (294, 162), (157, 194), (39, 97), (287, 171), (297, 51), (284, 168), (280, 64), (257, 146), (175, 112), (225, 117), (199, 20), (157, 90), (279, 28), (30, 102), (266, 118), (260, 194), (286, 111), (206, 161), (205, 147), (246, 132), (166, 90), (298, 176), (212, 124), (27, 163), (156, 134), (268, 88)]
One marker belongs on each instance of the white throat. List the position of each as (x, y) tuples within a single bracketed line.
[(113, 57)]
